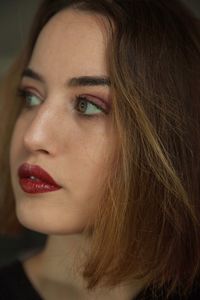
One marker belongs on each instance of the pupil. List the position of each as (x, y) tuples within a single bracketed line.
[(82, 105)]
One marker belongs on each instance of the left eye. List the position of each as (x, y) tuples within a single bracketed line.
[(87, 107)]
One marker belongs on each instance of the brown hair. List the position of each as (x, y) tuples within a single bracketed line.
[(148, 219)]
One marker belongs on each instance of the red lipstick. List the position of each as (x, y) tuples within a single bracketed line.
[(33, 179)]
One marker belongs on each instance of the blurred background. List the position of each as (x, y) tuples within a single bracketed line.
[(15, 20)]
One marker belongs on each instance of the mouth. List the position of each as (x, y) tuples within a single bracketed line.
[(33, 179)]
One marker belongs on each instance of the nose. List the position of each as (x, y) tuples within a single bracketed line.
[(41, 132)]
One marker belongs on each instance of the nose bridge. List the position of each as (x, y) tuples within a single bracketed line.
[(41, 132)]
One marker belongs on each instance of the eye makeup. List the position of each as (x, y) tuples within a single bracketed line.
[(86, 105)]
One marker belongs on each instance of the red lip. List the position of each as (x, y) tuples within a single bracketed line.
[(43, 182)]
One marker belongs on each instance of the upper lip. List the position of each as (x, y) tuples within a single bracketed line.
[(26, 170)]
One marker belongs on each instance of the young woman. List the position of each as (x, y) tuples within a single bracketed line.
[(100, 151)]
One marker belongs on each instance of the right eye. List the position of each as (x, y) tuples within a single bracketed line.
[(29, 98)]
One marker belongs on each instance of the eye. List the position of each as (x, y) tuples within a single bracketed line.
[(29, 98), (88, 108)]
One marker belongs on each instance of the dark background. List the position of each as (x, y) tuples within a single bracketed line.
[(15, 19)]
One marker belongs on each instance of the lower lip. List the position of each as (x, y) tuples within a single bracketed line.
[(35, 187)]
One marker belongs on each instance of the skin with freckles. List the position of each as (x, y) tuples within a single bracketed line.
[(54, 131)]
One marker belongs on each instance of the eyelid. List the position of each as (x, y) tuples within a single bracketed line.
[(98, 101), (30, 89)]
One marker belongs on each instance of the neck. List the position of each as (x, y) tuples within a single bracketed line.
[(59, 266)]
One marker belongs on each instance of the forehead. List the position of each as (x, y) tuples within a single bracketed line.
[(73, 39)]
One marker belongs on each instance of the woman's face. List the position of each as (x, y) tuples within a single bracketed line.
[(59, 129)]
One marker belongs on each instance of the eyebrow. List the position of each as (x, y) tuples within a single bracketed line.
[(72, 82)]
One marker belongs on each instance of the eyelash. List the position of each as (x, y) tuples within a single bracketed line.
[(23, 93)]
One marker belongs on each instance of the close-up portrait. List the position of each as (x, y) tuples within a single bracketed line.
[(100, 150)]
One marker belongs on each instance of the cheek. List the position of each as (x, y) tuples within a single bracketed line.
[(90, 168)]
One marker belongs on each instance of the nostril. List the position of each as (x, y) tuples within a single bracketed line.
[(45, 151)]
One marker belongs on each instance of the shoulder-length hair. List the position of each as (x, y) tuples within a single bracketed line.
[(147, 223)]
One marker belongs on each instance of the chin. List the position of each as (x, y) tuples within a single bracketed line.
[(49, 224)]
